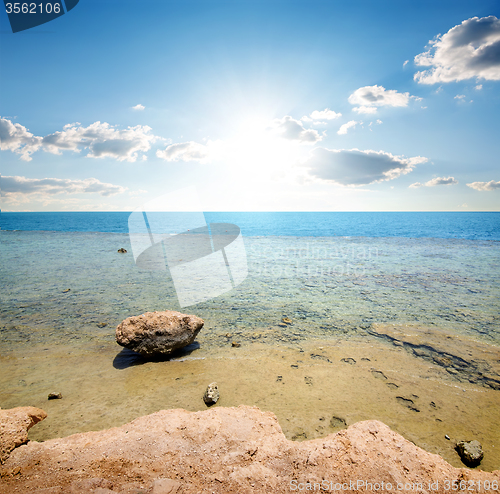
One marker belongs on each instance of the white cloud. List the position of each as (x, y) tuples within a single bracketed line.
[(491, 185), (16, 185), (325, 114), (379, 121), (138, 107), (365, 109), (370, 97), (16, 138), (185, 151), (289, 128), (101, 140), (435, 181), (345, 127), (441, 181), (468, 50), (405, 62), (478, 87), (355, 167), (459, 96)]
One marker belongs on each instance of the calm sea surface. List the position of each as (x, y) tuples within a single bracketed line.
[(337, 276), (480, 226), (335, 271)]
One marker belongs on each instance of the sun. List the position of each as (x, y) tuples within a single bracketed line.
[(256, 147)]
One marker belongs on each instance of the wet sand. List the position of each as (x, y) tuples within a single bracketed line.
[(314, 386)]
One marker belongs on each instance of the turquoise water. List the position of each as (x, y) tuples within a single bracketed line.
[(331, 285), (475, 225)]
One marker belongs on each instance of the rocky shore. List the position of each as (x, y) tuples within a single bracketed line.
[(221, 450)]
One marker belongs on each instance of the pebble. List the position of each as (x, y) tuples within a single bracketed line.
[(211, 395), (54, 396)]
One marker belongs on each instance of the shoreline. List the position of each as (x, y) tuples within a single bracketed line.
[(305, 385)]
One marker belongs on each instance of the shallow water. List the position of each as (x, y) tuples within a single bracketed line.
[(338, 294)]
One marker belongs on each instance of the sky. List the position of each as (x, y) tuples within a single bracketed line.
[(295, 105)]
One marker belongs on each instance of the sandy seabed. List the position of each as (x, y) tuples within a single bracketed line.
[(315, 387)]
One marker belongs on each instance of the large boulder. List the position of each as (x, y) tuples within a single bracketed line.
[(158, 333), (14, 426)]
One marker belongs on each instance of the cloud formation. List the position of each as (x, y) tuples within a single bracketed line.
[(138, 107), (345, 127), (491, 185), (289, 128), (368, 110), (355, 167), (468, 50), (15, 185), (185, 151), (16, 138), (99, 139), (368, 98), (435, 181), (325, 114)]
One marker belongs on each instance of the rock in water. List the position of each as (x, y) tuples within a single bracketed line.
[(471, 452), (122, 251), (211, 395), (158, 333)]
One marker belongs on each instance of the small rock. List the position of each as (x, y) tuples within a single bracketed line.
[(348, 360), (67, 290), (447, 437), (102, 324), (54, 396), (211, 395), (287, 320), (235, 344), (338, 422), (470, 452), (122, 251)]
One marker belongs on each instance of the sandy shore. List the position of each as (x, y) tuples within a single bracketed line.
[(315, 388)]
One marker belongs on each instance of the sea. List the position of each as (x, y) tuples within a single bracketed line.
[(339, 317)]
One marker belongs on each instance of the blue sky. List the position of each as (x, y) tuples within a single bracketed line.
[(278, 105)]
